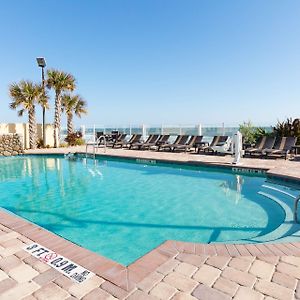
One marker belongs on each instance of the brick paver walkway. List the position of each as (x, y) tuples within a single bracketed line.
[(185, 277)]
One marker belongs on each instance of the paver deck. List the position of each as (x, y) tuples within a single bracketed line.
[(174, 270)]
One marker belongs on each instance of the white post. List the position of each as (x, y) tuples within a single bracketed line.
[(180, 130), (162, 129), (199, 129), (144, 132), (238, 146), (82, 129), (223, 129), (94, 133), (130, 133)]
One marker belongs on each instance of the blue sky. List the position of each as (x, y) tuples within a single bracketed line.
[(160, 61)]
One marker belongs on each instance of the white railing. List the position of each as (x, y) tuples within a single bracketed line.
[(207, 130)]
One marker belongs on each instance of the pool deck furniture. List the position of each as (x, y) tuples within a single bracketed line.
[(193, 140), (151, 140), (120, 138), (136, 138), (180, 140), (174, 270), (223, 146), (125, 143), (258, 146), (282, 147), (218, 139), (162, 140), (265, 142)]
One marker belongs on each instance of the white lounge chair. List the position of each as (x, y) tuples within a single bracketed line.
[(223, 147)]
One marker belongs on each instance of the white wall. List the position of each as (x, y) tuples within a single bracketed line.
[(23, 130)]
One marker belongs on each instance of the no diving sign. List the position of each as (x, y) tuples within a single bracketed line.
[(60, 263)]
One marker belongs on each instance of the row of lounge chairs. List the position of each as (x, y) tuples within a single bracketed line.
[(271, 146), (181, 143), (265, 146)]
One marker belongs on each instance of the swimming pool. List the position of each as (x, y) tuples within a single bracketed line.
[(123, 209)]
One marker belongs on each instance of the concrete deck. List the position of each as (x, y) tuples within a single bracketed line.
[(174, 270)]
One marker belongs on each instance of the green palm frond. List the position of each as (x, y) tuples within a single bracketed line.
[(60, 81), (24, 94), (74, 104)]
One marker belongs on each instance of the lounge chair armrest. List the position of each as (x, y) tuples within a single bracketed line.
[(201, 144)]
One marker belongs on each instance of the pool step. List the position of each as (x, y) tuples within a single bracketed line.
[(283, 229), (278, 190)]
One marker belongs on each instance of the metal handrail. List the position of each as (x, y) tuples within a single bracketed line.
[(296, 209), (95, 145)]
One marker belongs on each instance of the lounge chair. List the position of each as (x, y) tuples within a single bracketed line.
[(155, 138), (258, 145), (120, 139), (192, 142), (134, 138), (217, 139), (162, 140), (282, 147), (150, 140), (265, 142), (180, 140), (223, 146)]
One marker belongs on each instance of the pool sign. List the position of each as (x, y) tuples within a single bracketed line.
[(60, 263)]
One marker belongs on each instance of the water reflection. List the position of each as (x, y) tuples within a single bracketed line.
[(233, 188)]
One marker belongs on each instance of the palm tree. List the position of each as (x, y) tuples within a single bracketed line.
[(60, 81), (70, 105), (26, 95)]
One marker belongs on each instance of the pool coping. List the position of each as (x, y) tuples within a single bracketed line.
[(128, 277)]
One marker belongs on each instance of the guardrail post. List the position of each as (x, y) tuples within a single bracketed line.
[(199, 129), (144, 132)]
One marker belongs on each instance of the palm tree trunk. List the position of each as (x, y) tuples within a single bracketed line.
[(32, 128), (57, 119), (70, 123)]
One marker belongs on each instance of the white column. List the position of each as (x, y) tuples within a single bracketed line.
[(162, 129), (238, 146), (199, 129), (130, 133), (94, 133), (223, 129), (144, 133)]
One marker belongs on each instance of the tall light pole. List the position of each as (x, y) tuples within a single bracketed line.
[(42, 64)]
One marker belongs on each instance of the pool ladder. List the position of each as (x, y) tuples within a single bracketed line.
[(96, 144)]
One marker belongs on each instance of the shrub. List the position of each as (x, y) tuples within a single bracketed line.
[(289, 127), (75, 139), (251, 134), (40, 143), (248, 132)]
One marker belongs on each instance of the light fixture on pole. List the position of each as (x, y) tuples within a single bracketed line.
[(42, 64)]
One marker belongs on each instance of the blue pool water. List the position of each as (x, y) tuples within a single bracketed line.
[(121, 209)]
